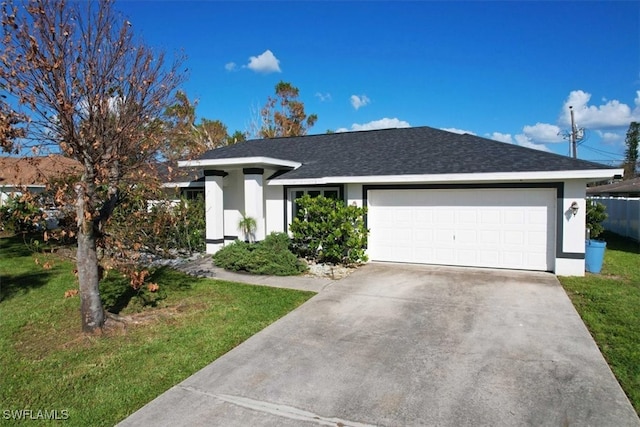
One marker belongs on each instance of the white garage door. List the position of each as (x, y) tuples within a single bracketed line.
[(500, 228)]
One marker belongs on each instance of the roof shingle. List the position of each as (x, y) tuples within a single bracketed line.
[(403, 151)]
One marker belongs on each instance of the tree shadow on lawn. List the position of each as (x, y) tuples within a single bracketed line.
[(617, 242), (20, 284), (17, 245), (117, 293)]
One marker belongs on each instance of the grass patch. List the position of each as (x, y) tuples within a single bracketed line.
[(46, 363), (609, 304)]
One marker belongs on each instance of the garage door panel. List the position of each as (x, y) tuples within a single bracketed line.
[(443, 236), (512, 237), (468, 216), (538, 238), (514, 217), (443, 217), (504, 228), (466, 237), (489, 237)]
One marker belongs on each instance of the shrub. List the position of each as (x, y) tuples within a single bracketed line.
[(248, 226), (165, 226), (326, 230), (21, 214), (270, 257), (595, 215)]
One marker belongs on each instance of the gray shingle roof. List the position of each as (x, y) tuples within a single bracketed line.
[(628, 186), (404, 151)]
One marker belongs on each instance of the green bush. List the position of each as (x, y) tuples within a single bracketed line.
[(326, 230), (21, 214), (270, 257), (595, 215)]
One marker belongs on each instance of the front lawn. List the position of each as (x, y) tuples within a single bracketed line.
[(609, 304), (46, 364)]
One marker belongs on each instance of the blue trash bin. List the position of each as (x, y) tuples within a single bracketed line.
[(594, 255)]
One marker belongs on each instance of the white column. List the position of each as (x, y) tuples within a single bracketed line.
[(214, 210), (254, 199)]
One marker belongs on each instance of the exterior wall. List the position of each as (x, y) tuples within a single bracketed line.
[(573, 227), (233, 204), (569, 267), (353, 194), (570, 229), (274, 209), (570, 256)]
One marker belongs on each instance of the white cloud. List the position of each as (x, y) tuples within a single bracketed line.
[(460, 131), (605, 120), (610, 138), (230, 66), (524, 141), (266, 62), (543, 132), (359, 101), (610, 114), (502, 137), (323, 96), (519, 139), (384, 123)]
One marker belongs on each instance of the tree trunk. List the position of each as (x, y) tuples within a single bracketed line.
[(91, 309)]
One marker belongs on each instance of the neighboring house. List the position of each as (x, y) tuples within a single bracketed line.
[(622, 200), (433, 197), (18, 174), (628, 188)]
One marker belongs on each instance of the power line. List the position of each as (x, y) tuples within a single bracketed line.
[(615, 156)]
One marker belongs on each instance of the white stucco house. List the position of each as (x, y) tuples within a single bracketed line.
[(432, 196)]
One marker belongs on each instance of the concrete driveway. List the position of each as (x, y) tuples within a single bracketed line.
[(403, 345)]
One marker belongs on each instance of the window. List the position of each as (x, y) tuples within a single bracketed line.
[(296, 193), (193, 193)]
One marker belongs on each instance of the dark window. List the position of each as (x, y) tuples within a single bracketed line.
[(331, 194)]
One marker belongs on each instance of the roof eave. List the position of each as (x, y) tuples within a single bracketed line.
[(239, 162), (589, 175), (183, 184)]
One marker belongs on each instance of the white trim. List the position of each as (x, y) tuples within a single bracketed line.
[(185, 184), (593, 174), (239, 162)]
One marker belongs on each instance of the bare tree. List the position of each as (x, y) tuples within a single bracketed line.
[(283, 115), (94, 93)]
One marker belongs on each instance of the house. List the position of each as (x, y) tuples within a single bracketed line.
[(432, 196), (627, 188), (18, 174), (185, 182)]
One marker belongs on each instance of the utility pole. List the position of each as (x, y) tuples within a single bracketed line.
[(574, 135)]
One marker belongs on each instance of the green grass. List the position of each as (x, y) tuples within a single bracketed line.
[(609, 304), (47, 364)]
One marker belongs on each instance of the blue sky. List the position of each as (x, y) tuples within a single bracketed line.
[(502, 70)]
